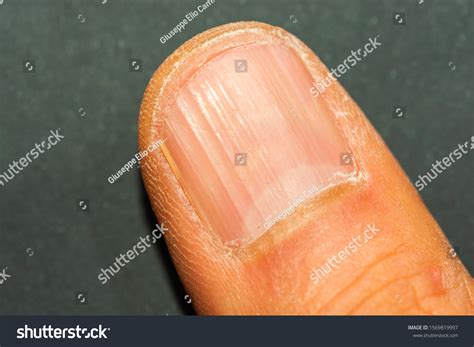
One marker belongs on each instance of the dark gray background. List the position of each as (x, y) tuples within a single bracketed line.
[(86, 65)]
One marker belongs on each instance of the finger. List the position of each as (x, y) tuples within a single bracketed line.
[(280, 196)]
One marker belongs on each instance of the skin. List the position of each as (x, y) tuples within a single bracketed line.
[(406, 268)]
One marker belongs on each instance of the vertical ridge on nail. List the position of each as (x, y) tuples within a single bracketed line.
[(249, 143)]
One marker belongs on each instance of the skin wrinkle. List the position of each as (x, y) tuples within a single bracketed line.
[(468, 289), (361, 276), (378, 291), (437, 296), (417, 302), (464, 286)]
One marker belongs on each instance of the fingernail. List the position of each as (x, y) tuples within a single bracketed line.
[(249, 144)]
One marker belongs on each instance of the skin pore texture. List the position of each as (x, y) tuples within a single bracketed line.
[(280, 202)]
